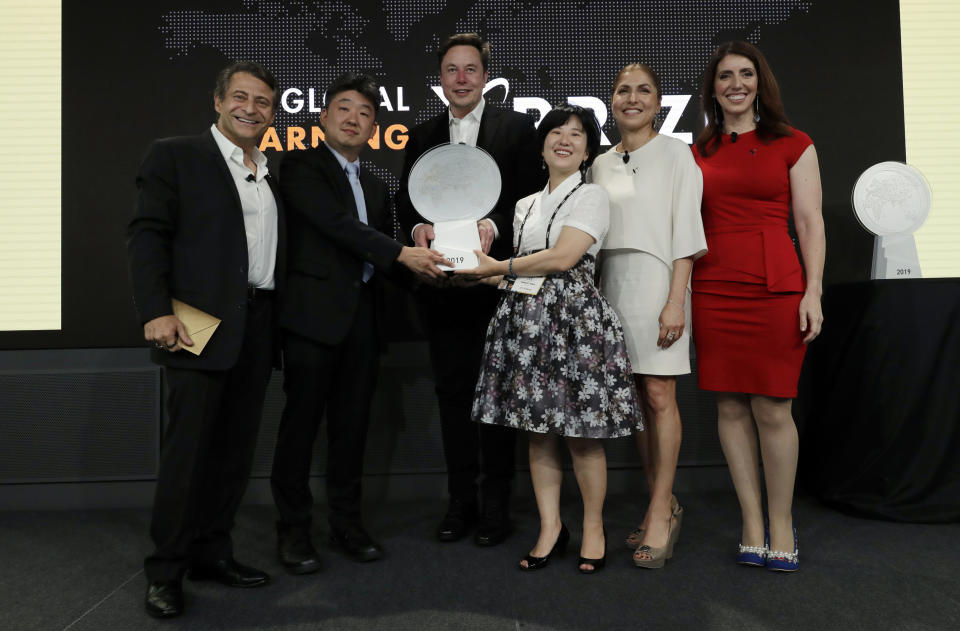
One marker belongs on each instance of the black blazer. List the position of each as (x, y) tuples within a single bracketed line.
[(329, 244), (187, 241), (511, 139)]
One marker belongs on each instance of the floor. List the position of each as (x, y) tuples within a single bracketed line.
[(81, 570)]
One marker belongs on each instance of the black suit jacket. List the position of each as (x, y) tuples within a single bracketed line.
[(187, 241), (329, 244), (511, 139)]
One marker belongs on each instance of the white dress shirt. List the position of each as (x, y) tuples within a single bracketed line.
[(259, 211), (466, 129)]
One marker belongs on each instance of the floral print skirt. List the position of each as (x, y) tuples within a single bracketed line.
[(556, 362)]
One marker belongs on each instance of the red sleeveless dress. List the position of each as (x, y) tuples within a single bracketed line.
[(747, 288)]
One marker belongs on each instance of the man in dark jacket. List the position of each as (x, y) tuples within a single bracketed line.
[(456, 343), (208, 231), (339, 219)]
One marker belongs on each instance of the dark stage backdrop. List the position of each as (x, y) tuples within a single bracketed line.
[(134, 71)]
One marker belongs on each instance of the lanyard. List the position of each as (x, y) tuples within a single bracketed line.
[(523, 223)]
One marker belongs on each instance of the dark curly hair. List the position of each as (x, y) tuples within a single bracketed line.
[(251, 68)]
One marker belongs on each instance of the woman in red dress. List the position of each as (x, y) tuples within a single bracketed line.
[(755, 308)]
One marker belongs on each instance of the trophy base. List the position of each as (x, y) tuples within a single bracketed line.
[(458, 259), (457, 240), (895, 256)]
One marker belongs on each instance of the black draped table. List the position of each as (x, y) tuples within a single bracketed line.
[(879, 404)]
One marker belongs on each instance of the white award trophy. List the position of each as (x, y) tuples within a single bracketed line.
[(454, 186), (892, 200)]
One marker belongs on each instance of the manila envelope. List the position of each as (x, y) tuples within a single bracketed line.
[(200, 325)]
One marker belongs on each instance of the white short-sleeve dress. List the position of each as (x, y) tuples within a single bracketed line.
[(556, 361), (654, 220)]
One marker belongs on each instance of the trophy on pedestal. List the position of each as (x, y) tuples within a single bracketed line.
[(454, 186), (892, 200)]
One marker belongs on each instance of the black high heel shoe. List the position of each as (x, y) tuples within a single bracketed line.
[(538, 563), (597, 564)]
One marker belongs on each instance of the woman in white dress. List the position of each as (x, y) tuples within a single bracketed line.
[(655, 234), (554, 361)]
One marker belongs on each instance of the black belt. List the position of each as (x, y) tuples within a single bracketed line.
[(255, 294)]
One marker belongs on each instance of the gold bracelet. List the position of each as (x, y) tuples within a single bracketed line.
[(676, 304)]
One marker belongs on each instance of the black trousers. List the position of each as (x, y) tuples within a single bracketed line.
[(456, 321), (339, 380), (207, 452)]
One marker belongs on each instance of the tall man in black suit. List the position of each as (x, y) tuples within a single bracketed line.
[(339, 219), (208, 230), (456, 342)]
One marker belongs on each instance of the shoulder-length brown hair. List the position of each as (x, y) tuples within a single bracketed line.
[(773, 120)]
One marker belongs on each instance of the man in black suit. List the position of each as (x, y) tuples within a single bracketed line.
[(456, 342), (208, 230), (339, 251)]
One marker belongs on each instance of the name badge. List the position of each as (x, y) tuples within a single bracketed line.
[(529, 285)]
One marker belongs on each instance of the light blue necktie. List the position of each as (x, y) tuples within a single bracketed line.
[(353, 174)]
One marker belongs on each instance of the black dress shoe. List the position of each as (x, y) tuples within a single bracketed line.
[(357, 543), (494, 526), (295, 551), (164, 599), (230, 573), (457, 522)]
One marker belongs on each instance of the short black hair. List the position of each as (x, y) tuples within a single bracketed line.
[(251, 68), (466, 39), (558, 116), (362, 83)]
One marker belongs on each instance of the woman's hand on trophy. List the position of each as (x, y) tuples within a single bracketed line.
[(487, 266)]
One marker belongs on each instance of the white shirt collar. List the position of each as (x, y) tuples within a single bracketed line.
[(231, 151), (474, 115), (561, 191), (342, 160)]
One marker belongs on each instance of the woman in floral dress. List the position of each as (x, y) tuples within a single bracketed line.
[(554, 362)]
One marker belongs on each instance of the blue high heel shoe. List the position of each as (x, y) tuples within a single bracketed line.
[(779, 561), (754, 556)]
